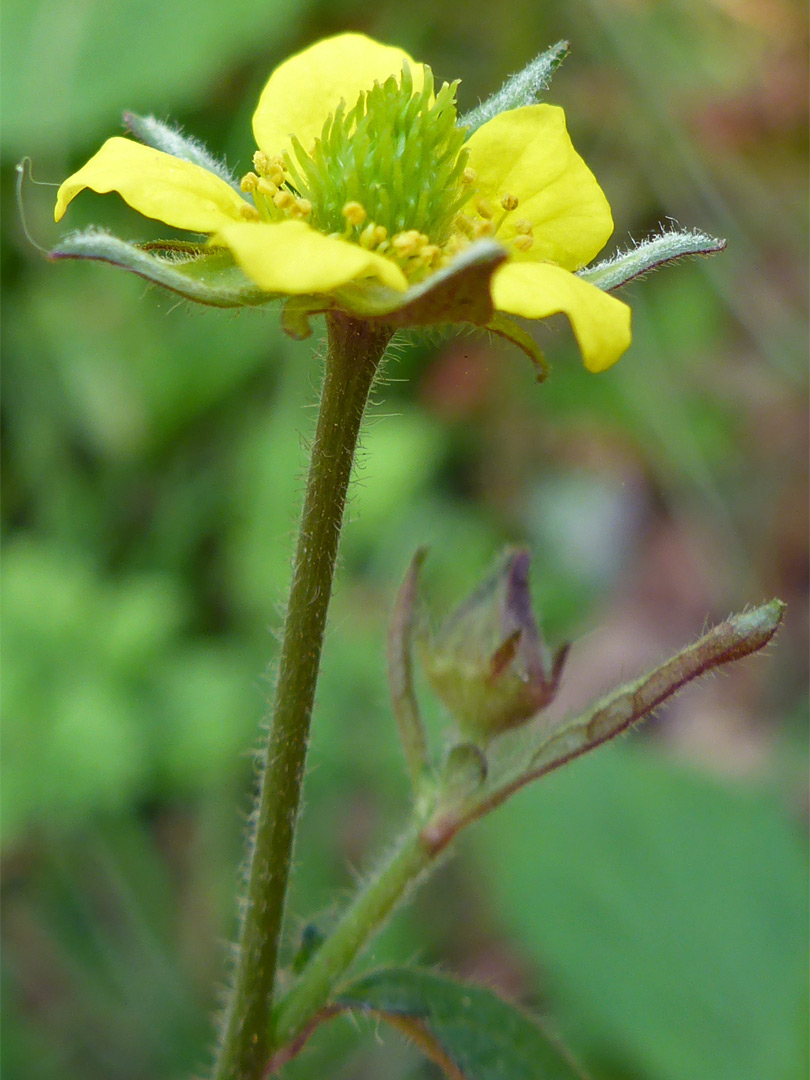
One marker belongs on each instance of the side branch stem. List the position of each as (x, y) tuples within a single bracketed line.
[(310, 999), (354, 353), (362, 921), (739, 636)]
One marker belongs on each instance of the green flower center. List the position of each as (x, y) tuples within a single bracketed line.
[(389, 174), (397, 153)]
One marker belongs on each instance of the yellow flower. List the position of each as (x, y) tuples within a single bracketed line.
[(367, 197)]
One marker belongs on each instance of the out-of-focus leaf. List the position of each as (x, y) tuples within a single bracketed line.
[(667, 911), (78, 648), (468, 1030), (401, 452), (69, 69)]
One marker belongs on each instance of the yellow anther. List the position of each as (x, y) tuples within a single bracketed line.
[(249, 182), (284, 199), (484, 208), (509, 202), (465, 225), (523, 226), (354, 212), (366, 238), (417, 240), (266, 187), (249, 213), (261, 162), (380, 234), (430, 254), (469, 176), (404, 243), (302, 208), (409, 242), (454, 245), (484, 228), (523, 242), (276, 173)]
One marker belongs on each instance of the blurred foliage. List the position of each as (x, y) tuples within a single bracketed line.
[(674, 876), (153, 460)]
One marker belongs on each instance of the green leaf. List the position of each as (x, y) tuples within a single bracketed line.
[(468, 1030), (70, 71), (206, 275)]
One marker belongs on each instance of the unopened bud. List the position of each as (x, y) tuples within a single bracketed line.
[(488, 664)]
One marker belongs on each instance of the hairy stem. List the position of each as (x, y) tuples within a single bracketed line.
[(361, 921), (354, 353), (435, 827)]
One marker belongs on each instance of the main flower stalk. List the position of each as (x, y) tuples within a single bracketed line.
[(354, 353)]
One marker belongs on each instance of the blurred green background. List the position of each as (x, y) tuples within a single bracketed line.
[(650, 900)]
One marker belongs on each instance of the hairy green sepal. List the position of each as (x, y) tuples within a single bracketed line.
[(195, 271), (650, 254), (171, 140), (524, 88)]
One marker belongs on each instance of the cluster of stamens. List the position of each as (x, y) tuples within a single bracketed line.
[(381, 136), (410, 247), (272, 193), (480, 218)]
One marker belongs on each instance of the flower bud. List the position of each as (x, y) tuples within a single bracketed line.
[(487, 664)]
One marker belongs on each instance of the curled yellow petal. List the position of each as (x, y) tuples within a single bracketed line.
[(157, 185), (527, 153), (305, 89), (290, 257), (600, 322)]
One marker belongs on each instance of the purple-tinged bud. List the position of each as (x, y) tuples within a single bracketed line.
[(488, 664)]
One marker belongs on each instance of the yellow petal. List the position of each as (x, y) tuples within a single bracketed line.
[(527, 153), (600, 322), (292, 258), (157, 185), (305, 89)]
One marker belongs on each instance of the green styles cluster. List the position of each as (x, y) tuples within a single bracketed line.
[(398, 152)]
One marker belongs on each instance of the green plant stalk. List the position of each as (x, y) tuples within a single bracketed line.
[(433, 829), (355, 350), (364, 919)]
